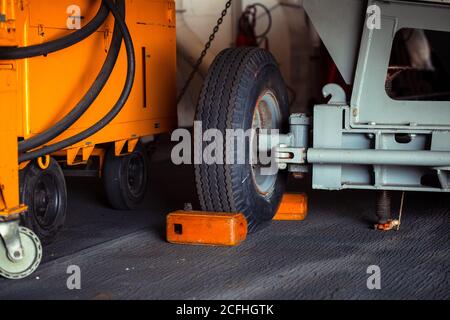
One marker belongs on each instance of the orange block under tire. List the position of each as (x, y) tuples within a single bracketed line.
[(206, 228), (293, 207)]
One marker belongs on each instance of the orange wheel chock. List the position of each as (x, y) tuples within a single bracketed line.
[(206, 228), (294, 207)]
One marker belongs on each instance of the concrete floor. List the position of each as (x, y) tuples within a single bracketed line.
[(123, 255)]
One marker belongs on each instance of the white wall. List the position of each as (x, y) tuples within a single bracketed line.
[(290, 41), (196, 20)]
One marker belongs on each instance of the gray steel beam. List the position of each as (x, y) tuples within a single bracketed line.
[(379, 157)]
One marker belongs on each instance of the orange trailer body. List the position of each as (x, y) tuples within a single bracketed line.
[(35, 93)]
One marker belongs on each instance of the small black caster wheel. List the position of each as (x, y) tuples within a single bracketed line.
[(44, 192), (125, 178)]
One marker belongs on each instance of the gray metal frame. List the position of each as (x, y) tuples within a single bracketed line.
[(370, 105), (373, 142)]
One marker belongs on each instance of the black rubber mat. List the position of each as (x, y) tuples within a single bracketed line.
[(124, 255)]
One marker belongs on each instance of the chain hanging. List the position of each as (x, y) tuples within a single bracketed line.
[(205, 51)]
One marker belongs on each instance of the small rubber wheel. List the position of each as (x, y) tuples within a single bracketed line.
[(244, 90), (125, 178), (32, 256), (45, 194)]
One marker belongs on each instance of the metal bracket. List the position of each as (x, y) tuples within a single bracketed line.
[(7, 213), (289, 149), (444, 177), (81, 155), (335, 93), (9, 231), (285, 155), (125, 147)]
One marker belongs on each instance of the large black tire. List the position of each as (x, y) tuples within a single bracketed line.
[(45, 194), (125, 178), (233, 88)]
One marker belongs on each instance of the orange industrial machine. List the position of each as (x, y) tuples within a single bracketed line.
[(81, 82)]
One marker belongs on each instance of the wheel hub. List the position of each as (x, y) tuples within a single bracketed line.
[(46, 196), (267, 116), (29, 261), (135, 174)]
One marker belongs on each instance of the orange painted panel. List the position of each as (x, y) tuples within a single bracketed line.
[(52, 85), (36, 93), (9, 177)]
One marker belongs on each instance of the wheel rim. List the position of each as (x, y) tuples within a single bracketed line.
[(32, 255), (46, 200), (136, 174), (267, 116)]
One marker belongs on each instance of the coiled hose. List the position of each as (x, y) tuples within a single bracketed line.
[(88, 98), (131, 71)]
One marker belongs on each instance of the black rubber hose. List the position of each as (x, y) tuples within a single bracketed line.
[(131, 71), (8, 53), (88, 98)]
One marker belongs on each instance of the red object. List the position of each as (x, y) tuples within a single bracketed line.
[(246, 40), (247, 24)]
